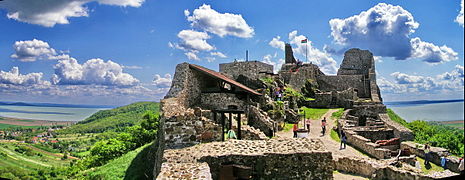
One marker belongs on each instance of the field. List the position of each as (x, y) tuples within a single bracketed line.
[(313, 113), (6, 126), (6, 122), (28, 160), (455, 124)]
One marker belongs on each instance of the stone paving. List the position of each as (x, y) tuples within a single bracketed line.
[(184, 171), (244, 147)]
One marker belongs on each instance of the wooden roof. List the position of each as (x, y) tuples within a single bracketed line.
[(222, 77)]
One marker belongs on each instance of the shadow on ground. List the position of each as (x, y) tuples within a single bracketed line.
[(142, 165)]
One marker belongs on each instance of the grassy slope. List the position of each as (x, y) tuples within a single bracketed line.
[(6, 126), (133, 165), (114, 118), (314, 113), (9, 158)]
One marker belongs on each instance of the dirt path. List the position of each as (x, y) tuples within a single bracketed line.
[(331, 145)]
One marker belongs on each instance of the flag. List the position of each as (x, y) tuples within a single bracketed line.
[(303, 41)]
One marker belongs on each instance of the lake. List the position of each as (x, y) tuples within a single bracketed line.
[(48, 113), (443, 110)]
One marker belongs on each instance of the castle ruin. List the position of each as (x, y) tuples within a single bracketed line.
[(202, 104)]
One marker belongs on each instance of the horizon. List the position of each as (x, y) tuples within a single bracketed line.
[(118, 52)]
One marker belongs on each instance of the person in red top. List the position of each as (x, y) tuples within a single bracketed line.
[(323, 126), (295, 128)]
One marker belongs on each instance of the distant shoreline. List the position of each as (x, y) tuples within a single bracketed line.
[(32, 122), (421, 102)]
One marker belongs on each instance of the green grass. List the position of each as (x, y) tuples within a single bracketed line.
[(288, 127), (333, 134), (313, 113), (6, 126), (135, 164), (396, 117), (338, 114), (434, 167)]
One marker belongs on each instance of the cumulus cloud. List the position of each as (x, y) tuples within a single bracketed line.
[(459, 18), (221, 24), (448, 81), (192, 56), (316, 56), (32, 50), (269, 59), (162, 82), (194, 41), (93, 71), (48, 13), (385, 30), (13, 77), (277, 43)]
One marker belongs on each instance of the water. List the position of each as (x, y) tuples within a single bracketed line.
[(47, 113), (450, 110)]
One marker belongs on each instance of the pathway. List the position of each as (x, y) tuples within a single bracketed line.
[(331, 145)]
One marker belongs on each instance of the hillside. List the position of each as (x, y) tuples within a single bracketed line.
[(113, 119)]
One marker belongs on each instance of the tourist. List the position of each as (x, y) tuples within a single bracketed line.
[(323, 126), (279, 94), (294, 129), (343, 140), (427, 154), (461, 166), (444, 161), (231, 134), (308, 122), (417, 164)]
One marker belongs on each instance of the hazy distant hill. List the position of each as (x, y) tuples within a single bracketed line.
[(116, 118)]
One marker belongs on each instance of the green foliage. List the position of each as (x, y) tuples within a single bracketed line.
[(267, 80), (313, 113), (278, 109), (338, 114), (288, 127), (290, 92), (132, 138), (115, 119), (434, 133), (309, 88), (334, 135)]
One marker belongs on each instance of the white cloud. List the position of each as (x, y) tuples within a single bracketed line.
[(192, 56), (32, 50), (131, 67), (277, 43), (219, 54), (13, 77), (403, 83), (93, 71), (276, 63), (221, 24), (48, 13), (316, 56), (385, 30), (194, 41), (459, 18), (162, 82)]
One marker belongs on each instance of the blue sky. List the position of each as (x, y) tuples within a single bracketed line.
[(62, 48)]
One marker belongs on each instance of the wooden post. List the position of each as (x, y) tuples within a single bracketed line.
[(230, 121), (239, 126), (222, 126)]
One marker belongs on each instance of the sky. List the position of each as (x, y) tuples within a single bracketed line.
[(115, 52)]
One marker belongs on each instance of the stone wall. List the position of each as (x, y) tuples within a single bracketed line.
[(187, 129), (221, 101), (259, 120), (250, 69), (400, 131), (285, 158), (356, 61), (343, 82), (436, 154), (297, 79), (185, 86), (366, 145), (333, 99)]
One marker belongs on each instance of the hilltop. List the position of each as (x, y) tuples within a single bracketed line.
[(113, 119)]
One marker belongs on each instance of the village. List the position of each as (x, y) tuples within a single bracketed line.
[(232, 124)]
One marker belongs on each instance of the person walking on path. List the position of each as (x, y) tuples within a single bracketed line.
[(308, 122), (427, 152), (323, 126), (343, 140), (295, 128)]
